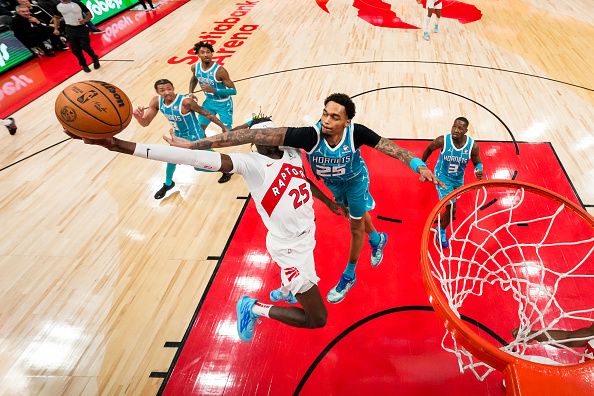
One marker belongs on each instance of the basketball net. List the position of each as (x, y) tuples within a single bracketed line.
[(515, 247)]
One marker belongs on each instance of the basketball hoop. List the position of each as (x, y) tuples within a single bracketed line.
[(520, 256)]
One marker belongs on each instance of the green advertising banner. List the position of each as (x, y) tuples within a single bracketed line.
[(103, 9), (12, 51)]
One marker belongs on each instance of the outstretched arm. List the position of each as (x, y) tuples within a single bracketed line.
[(475, 155), (145, 115), (333, 206), (264, 137), (388, 147), (586, 333), (193, 81), (206, 160), (200, 110), (436, 144)]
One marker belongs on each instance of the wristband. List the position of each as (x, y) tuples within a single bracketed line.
[(478, 167), (226, 91), (415, 163)]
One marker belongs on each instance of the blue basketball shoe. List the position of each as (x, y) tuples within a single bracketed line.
[(339, 291), (377, 252), (246, 320), (277, 295)]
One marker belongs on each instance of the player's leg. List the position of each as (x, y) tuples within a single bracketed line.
[(225, 112), (313, 315), (447, 215), (377, 241), (426, 22), (359, 202), (437, 18), (169, 183), (298, 277)]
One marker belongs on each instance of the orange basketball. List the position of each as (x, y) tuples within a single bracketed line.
[(93, 109)]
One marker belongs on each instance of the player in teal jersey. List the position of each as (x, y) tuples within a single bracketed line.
[(332, 147), (180, 111), (216, 84), (456, 149)]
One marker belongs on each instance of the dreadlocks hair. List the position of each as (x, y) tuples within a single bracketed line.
[(344, 100), (204, 44), (260, 118), (162, 81)]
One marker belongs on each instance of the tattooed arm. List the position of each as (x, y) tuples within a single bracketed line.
[(264, 137), (388, 147)]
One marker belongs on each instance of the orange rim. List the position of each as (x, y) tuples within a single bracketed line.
[(464, 334)]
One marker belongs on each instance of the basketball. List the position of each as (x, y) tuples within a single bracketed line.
[(93, 109)]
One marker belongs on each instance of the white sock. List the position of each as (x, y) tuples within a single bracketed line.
[(5, 122), (426, 24), (437, 20), (261, 309)]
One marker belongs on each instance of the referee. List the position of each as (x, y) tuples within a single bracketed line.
[(76, 15)]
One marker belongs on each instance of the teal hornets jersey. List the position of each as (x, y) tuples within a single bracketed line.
[(452, 161), (184, 125), (342, 162), (208, 77)]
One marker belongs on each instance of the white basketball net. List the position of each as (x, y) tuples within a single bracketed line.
[(503, 250)]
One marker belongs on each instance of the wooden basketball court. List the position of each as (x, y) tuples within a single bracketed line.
[(101, 285)]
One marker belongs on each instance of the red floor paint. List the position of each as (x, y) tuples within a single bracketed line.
[(22, 85), (396, 353)]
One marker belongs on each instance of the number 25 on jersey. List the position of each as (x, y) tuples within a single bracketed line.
[(300, 195)]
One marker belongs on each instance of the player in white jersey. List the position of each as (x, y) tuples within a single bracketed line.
[(456, 149), (433, 8), (283, 198)]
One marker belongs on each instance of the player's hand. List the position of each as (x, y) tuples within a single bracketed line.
[(138, 113), (109, 144), (478, 174), (338, 209), (177, 141), (427, 175), (207, 88)]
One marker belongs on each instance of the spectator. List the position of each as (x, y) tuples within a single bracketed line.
[(32, 33), (5, 13)]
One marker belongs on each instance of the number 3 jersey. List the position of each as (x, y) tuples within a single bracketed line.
[(280, 190), (452, 161)]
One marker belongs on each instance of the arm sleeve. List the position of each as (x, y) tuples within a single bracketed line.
[(304, 138), (365, 136), (207, 160)]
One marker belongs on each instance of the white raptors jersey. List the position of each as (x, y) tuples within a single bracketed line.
[(280, 190)]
